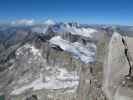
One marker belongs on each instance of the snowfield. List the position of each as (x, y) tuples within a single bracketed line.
[(76, 49)]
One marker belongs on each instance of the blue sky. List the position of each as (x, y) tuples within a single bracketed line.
[(83, 11)]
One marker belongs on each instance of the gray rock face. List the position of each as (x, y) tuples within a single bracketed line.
[(115, 85)]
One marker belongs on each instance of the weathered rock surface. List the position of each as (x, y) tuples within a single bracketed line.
[(116, 68)]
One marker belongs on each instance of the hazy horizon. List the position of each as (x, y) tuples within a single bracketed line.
[(117, 12)]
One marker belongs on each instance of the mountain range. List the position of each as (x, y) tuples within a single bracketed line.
[(54, 60)]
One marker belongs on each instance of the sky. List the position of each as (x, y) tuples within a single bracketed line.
[(83, 11)]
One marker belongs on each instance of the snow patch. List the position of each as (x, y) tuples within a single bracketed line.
[(29, 47)]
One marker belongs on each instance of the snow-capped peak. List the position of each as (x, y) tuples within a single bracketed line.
[(76, 30)]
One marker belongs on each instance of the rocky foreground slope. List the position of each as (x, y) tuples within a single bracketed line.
[(57, 62)]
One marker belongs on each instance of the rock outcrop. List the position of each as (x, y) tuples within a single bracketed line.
[(116, 85)]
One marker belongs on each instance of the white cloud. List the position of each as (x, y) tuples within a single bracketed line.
[(50, 22), (23, 22)]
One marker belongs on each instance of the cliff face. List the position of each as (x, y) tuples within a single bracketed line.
[(116, 85)]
